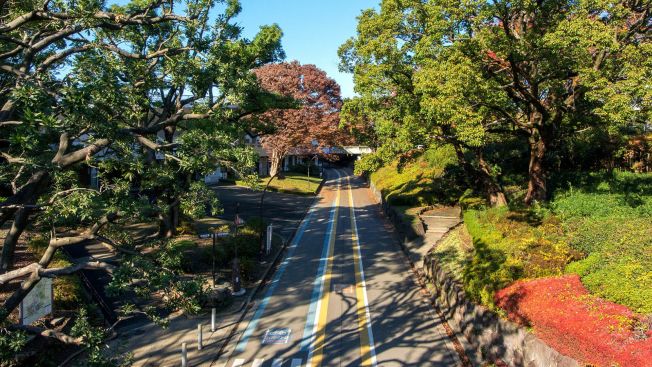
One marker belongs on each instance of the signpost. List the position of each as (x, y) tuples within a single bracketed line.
[(37, 303)]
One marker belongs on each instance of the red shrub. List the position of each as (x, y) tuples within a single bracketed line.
[(563, 314)]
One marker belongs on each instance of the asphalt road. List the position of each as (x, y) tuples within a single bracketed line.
[(284, 211), (343, 295)]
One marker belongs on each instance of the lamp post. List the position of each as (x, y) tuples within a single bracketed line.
[(309, 164), (262, 218), (236, 281)]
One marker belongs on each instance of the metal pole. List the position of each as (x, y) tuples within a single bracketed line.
[(237, 288), (213, 271), (200, 340), (184, 355), (213, 317)]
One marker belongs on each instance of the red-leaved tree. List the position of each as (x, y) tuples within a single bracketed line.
[(315, 120)]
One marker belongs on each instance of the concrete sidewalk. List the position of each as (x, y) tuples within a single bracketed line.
[(151, 345)]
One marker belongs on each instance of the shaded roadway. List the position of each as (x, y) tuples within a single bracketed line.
[(404, 328)]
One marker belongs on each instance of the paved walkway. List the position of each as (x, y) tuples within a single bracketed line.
[(151, 345), (437, 222)]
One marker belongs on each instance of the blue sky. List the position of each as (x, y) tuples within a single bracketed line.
[(313, 30)]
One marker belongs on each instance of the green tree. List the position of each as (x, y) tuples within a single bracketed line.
[(115, 89), (539, 69), (403, 106)]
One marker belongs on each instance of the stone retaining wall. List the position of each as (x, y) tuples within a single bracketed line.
[(409, 231), (488, 336)]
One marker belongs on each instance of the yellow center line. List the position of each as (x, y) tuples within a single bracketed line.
[(322, 318), (367, 352)]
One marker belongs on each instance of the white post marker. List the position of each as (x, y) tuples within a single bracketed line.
[(184, 355), (213, 317), (199, 337), (268, 244)]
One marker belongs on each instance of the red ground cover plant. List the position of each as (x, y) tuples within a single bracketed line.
[(582, 326)]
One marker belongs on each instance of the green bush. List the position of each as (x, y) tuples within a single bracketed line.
[(432, 178), (597, 226)]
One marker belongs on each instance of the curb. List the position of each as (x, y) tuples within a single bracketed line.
[(247, 304), (459, 345)]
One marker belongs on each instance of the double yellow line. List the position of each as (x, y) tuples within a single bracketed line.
[(322, 311), (367, 352)]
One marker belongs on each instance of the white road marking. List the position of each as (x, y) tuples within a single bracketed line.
[(277, 362), (258, 362), (296, 362), (238, 362)]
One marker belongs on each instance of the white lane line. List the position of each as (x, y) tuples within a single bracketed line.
[(244, 339), (258, 362), (238, 362), (296, 362), (277, 362), (314, 310)]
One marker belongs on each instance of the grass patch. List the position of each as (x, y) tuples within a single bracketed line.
[(68, 292), (293, 183), (429, 179), (454, 251)]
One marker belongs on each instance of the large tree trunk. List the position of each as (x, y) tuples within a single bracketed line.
[(169, 220), (493, 189), (9, 246), (276, 159), (537, 184), (28, 195)]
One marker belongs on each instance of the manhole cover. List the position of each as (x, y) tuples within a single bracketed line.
[(277, 335)]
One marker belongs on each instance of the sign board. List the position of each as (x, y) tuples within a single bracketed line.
[(277, 335), (209, 235), (37, 303)]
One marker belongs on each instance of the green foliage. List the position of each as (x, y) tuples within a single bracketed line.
[(512, 245), (93, 338), (592, 228), (195, 200), (454, 251), (161, 270), (429, 179), (11, 342)]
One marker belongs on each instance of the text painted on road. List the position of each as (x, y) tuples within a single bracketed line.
[(277, 336)]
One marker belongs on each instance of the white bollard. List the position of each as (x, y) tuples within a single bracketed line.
[(268, 243), (199, 337), (184, 355), (213, 317)]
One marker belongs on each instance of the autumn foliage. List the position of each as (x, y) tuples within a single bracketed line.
[(585, 327), (316, 118)]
